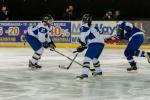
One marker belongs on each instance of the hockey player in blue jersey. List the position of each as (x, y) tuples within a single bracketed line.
[(135, 37), (38, 38), (92, 40)]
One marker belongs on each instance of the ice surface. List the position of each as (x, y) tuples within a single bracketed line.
[(17, 82)]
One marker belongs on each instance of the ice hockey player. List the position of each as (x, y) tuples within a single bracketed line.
[(135, 37), (38, 38), (93, 41)]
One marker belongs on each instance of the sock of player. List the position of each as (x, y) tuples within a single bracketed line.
[(139, 53), (35, 58), (131, 61), (97, 67), (86, 68)]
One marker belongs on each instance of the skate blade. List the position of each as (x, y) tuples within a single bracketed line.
[(133, 71), (79, 79), (89, 80), (97, 76), (63, 67), (31, 68)]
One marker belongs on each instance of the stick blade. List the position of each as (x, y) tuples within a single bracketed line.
[(62, 67)]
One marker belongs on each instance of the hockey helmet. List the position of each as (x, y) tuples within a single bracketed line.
[(87, 18), (47, 19)]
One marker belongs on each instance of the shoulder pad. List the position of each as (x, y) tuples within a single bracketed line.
[(129, 24), (84, 29), (120, 22)]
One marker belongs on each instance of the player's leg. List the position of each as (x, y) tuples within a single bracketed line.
[(140, 53), (95, 60), (38, 50), (128, 53), (96, 64), (33, 63), (85, 68), (148, 56), (131, 49), (89, 55), (92, 52)]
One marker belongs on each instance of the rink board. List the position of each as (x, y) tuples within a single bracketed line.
[(64, 33), (111, 46)]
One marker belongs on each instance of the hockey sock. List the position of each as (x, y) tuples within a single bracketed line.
[(35, 58), (86, 68), (97, 67), (139, 53), (133, 63)]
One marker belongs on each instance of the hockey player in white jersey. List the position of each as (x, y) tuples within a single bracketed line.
[(38, 38), (92, 40)]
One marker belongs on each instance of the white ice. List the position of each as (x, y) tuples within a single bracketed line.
[(17, 82)]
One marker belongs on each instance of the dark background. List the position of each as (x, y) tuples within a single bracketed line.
[(34, 9)]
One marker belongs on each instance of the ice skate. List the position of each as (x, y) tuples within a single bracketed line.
[(132, 68), (83, 76), (148, 56), (97, 73), (34, 66)]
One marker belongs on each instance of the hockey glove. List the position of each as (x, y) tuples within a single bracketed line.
[(112, 40), (82, 43), (81, 48), (119, 32), (45, 45), (52, 46)]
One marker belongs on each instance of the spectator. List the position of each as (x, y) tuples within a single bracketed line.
[(117, 15), (69, 13), (4, 13), (108, 16)]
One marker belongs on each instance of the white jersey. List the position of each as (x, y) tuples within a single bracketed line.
[(41, 32), (91, 34)]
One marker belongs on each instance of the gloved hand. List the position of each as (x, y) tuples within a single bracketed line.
[(52, 46), (81, 48), (45, 45), (82, 43)]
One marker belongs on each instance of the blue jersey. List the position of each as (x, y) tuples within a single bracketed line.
[(90, 34), (129, 30)]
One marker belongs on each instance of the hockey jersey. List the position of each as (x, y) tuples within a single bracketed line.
[(41, 32), (91, 34), (129, 30)]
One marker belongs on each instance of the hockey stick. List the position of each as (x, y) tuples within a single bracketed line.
[(67, 57), (71, 59), (63, 67)]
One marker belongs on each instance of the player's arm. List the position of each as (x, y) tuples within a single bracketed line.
[(115, 38), (112, 39), (42, 35), (50, 42), (123, 28), (41, 38), (48, 37), (83, 39), (47, 43)]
